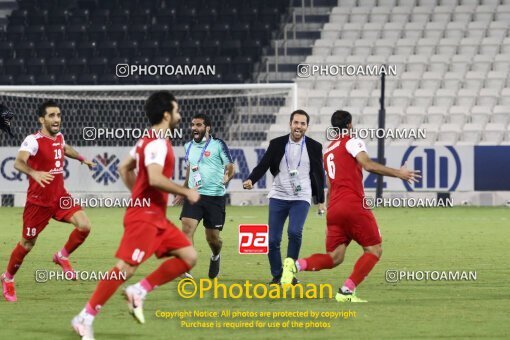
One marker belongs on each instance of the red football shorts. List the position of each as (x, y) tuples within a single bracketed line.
[(346, 222), (36, 217), (142, 238)]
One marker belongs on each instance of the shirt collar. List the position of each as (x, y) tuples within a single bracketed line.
[(296, 143)]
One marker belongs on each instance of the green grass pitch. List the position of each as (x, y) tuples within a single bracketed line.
[(414, 239)]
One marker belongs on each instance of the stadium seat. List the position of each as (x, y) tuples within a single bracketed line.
[(448, 134), (474, 80), (392, 30), (458, 114), (501, 114), (448, 46), (401, 14), (488, 97), (438, 63), (410, 80), (493, 134), (417, 64), (480, 114), (470, 135), (436, 114)]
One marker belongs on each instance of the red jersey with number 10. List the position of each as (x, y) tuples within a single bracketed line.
[(46, 154), (149, 151), (343, 170)]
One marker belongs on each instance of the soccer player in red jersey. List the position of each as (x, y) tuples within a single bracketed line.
[(347, 218), (147, 172), (41, 157)]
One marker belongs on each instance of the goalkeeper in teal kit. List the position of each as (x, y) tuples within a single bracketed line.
[(209, 169)]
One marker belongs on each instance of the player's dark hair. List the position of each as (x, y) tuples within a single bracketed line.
[(41, 111), (340, 119), (157, 104), (204, 117), (300, 112)]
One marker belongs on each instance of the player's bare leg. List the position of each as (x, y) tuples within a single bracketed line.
[(315, 262), (18, 254), (362, 268), (215, 243), (189, 226), (82, 229), (82, 323), (185, 259)]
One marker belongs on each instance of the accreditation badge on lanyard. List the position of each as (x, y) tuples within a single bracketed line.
[(197, 179), (294, 173)]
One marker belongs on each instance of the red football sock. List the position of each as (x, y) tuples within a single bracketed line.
[(104, 290), (317, 262), (76, 238), (362, 268), (17, 256), (169, 270)]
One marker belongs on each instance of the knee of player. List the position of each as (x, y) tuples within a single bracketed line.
[(295, 234), (375, 250), (84, 225), (27, 244), (126, 268), (337, 258), (190, 257)]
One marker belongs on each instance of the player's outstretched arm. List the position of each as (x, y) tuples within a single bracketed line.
[(374, 167), (260, 169), (127, 173), (159, 181), (20, 164), (72, 153)]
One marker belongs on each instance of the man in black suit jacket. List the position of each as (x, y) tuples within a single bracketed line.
[(295, 161)]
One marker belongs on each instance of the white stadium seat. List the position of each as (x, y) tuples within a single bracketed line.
[(436, 114), (322, 47), (458, 114), (484, 13), (504, 99), (493, 133), (410, 80), (415, 115), (466, 97), (448, 46), (496, 80), (401, 97), (414, 30), (491, 46), (434, 30), (471, 134), (423, 97), (342, 47), (448, 134), (460, 63), (480, 115), (503, 13), (455, 30), (445, 97), (501, 63), (431, 80), (360, 14), (474, 80), (337, 98), (362, 47), (477, 29), (488, 97), (380, 14), (439, 63), (405, 46), (442, 14), (501, 114), (463, 13), (401, 14), (497, 29), (372, 30), (452, 81), (469, 46), (420, 14), (417, 63), (392, 30), (331, 31), (481, 63)]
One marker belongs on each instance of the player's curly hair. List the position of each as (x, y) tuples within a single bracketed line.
[(341, 119), (157, 104)]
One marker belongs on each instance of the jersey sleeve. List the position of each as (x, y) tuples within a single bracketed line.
[(354, 146), (225, 155), (155, 152), (132, 152), (30, 145)]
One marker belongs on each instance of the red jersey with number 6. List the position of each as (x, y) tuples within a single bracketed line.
[(343, 170), (146, 152), (46, 154)]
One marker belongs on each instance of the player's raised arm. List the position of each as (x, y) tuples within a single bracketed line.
[(21, 164), (374, 167), (159, 181), (127, 173), (72, 153)]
